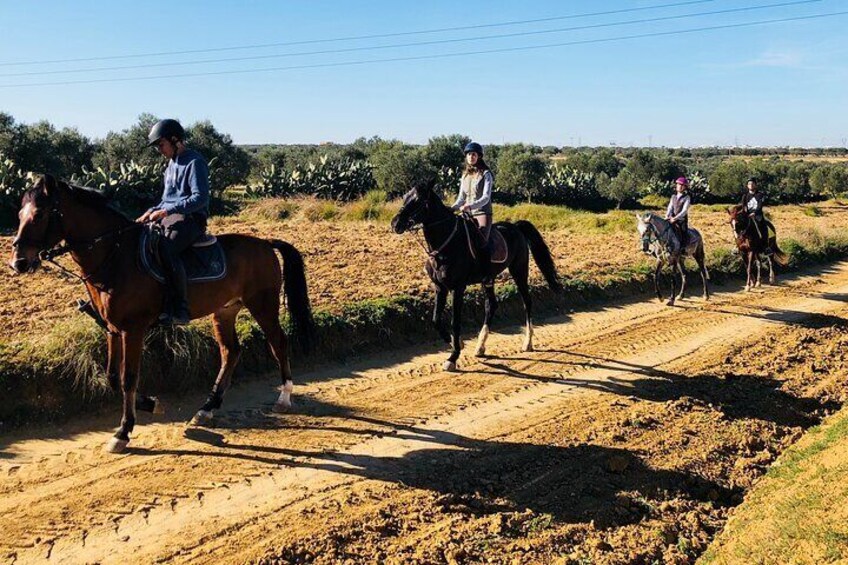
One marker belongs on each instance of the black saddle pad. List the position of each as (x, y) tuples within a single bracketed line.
[(202, 264)]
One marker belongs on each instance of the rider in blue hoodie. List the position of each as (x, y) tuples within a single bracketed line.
[(182, 212)]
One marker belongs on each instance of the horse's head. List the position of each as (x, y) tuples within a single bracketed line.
[(418, 207), (40, 224), (738, 218), (646, 230)]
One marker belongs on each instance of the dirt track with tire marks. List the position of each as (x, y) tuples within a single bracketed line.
[(627, 435)]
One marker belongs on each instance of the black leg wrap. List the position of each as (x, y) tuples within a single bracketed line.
[(213, 401)]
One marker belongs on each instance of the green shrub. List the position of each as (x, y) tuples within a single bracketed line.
[(320, 210), (271, 209), (336, 179)]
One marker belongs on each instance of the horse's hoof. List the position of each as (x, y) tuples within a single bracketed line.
[(202, 418), (281, 407), (115, 445), (158, 406), (449, 366), (527, 348), (670, 303), (481, 352)]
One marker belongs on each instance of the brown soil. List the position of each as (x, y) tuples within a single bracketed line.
[(625, 438), (341, 255)]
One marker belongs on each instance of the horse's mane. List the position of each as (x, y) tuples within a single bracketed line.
[(93, 198), (84, 195)]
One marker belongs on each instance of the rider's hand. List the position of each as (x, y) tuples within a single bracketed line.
[(143, 218), (157, 215), (673, 221), (465, 208)]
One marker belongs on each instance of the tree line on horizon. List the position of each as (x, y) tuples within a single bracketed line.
[(584, 177)]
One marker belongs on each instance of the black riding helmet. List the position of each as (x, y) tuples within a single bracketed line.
[(165, 129), (473, 147)]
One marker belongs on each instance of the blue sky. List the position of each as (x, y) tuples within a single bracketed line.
[(780, 84)]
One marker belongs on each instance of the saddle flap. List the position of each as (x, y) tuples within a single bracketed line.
[(206, 262), (205, 241), (498, 247)]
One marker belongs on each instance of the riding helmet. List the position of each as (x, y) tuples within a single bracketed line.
[(682, 180), (165, 129), (473, 147)]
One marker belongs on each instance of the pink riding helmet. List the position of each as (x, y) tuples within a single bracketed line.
[(682, 180)]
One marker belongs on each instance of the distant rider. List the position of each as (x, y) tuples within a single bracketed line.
[(475, 198), (678, 210)]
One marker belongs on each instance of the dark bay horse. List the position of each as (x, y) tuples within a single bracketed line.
[(105, 245), (754, 246), (452, 265)]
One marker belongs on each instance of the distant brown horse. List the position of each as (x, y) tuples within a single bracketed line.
[(105, 245), (753, 245)]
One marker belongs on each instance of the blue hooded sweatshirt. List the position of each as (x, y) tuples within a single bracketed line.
[(186, 185)]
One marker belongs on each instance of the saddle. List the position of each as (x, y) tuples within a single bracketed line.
[(498, 249), (693, 237), (204, 261)]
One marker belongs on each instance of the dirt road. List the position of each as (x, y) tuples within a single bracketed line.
[(626, 437)]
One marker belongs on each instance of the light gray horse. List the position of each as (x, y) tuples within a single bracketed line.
[(660, 240)]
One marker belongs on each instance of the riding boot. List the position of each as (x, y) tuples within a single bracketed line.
[(176, 311), (179, 314), (484, 258)]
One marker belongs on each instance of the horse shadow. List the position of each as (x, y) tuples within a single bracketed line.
[(574, 484), (738, 396)]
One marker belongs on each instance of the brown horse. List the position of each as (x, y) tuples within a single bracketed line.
[(105, 245), (754, 246)]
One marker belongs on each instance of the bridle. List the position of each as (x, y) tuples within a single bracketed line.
[(647, 242), (49, 255), (418, 226)]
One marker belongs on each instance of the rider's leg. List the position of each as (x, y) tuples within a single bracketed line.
[(683, 232), (485, 255), (768, 229), (179, 233)]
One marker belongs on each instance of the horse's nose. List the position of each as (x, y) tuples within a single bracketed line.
[(396, 225), (20, 265)]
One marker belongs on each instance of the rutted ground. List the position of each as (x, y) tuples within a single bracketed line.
[(626, 437), (336, 252)]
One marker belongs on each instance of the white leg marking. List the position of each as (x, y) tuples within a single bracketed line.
[(481, 341), (528, 337), (283, 403)]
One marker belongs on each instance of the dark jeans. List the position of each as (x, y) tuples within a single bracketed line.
[(681, 226), (484, 259), (179, 233)]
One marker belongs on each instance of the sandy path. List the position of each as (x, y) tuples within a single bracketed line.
[(362, 436)]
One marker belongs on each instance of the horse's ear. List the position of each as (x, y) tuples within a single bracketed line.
[(422, 188), (49, 185)]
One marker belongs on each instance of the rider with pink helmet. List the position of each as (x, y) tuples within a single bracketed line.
[(678, 210)]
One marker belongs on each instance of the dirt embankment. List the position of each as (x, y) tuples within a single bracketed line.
[(626, 437)]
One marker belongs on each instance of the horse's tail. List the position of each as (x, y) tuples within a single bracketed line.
[(541, 254), (779, 256), (297, 298)]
